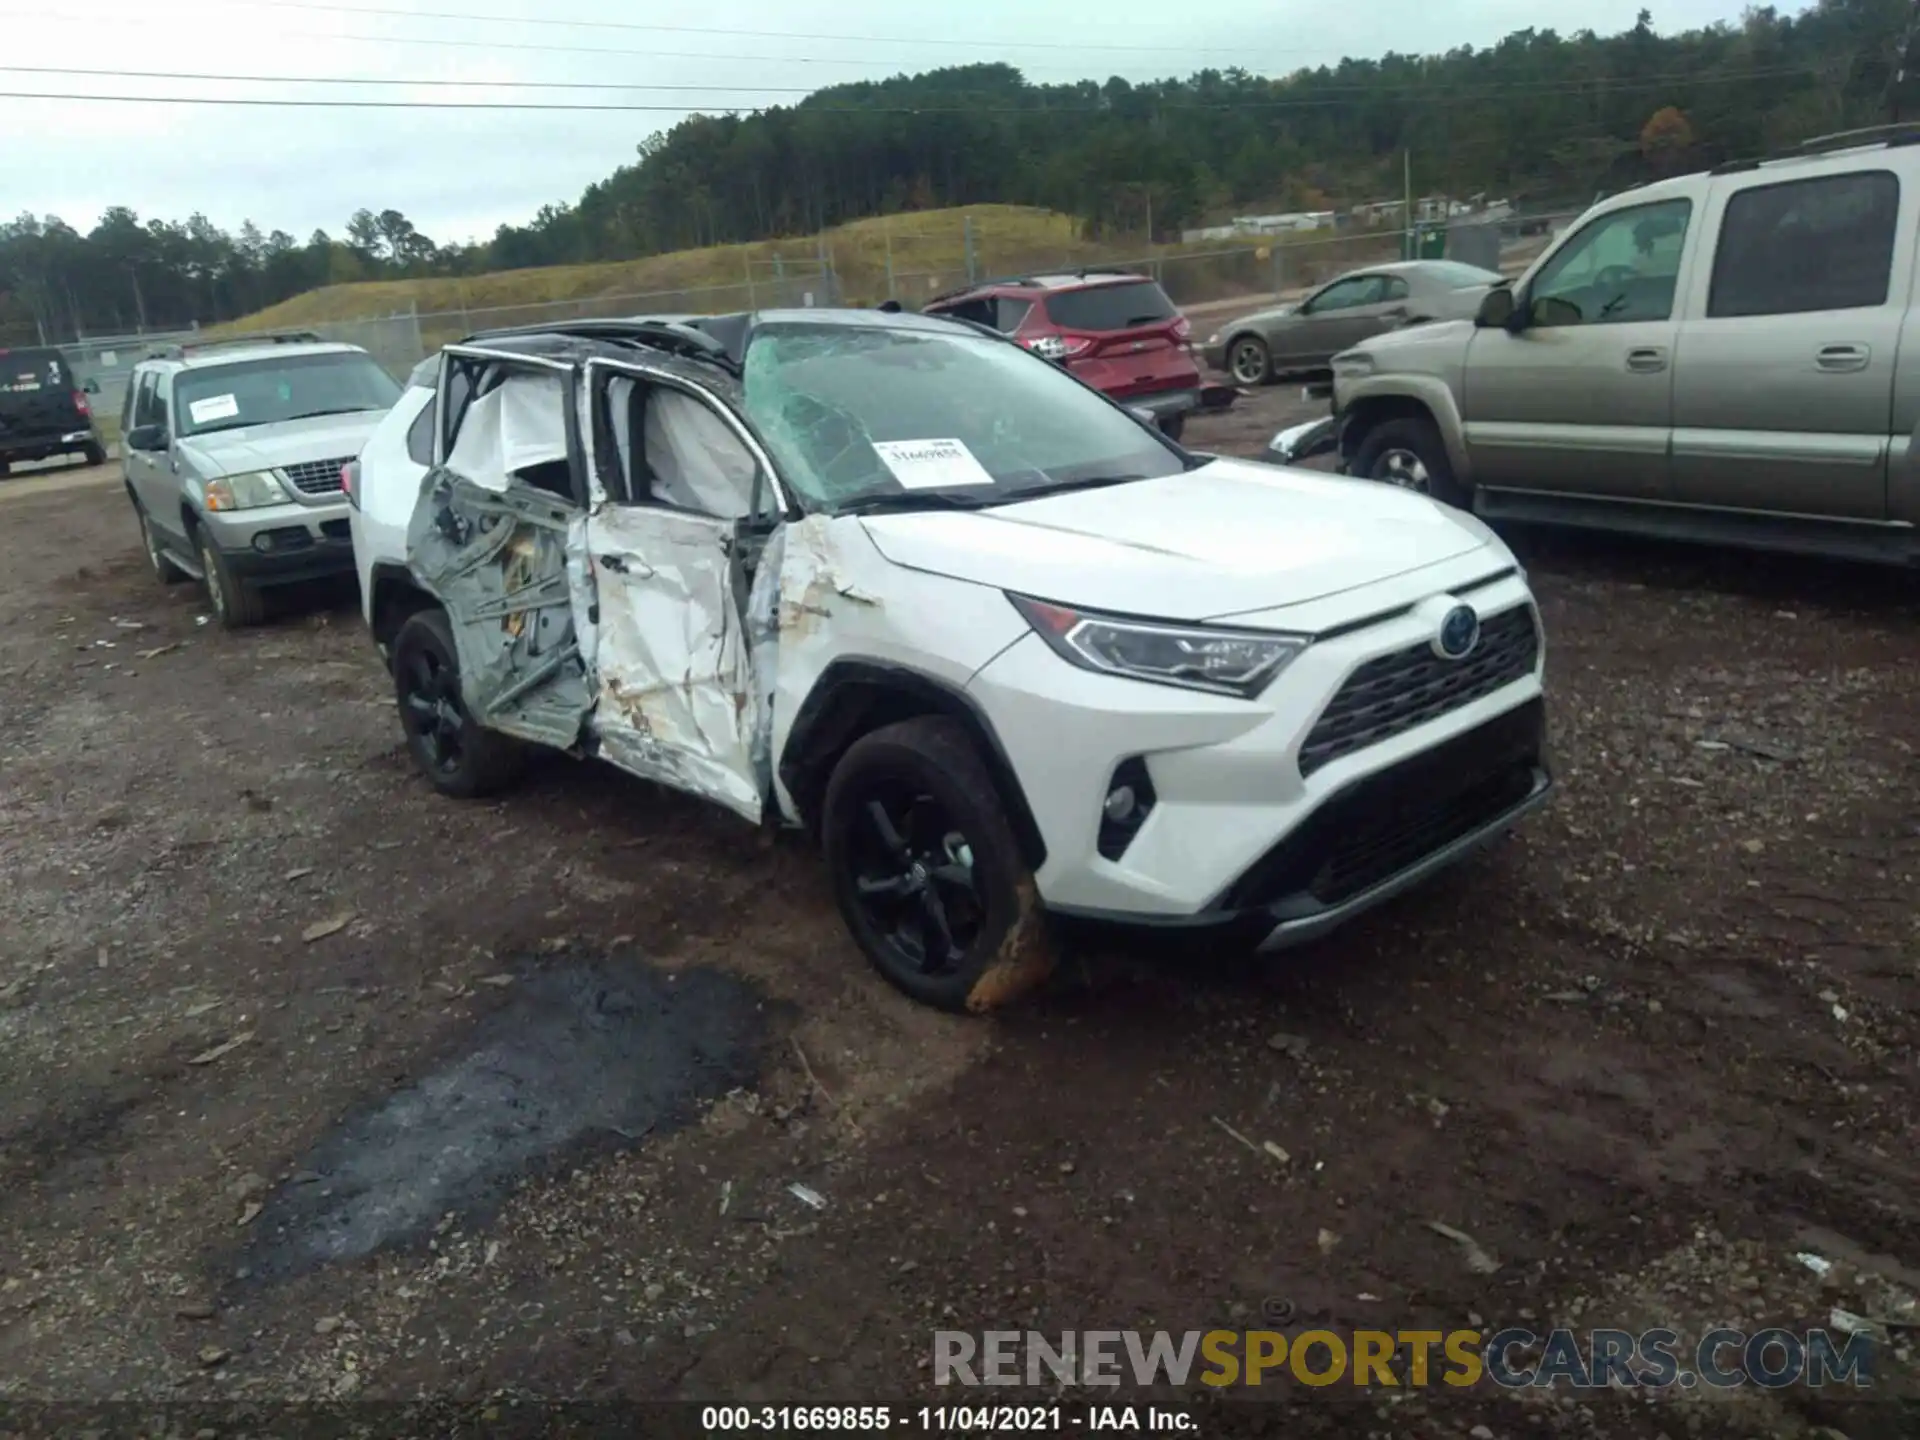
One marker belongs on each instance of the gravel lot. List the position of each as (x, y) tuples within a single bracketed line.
[(1645, 1051)]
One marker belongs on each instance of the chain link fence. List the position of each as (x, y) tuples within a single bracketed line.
[(907, 259)]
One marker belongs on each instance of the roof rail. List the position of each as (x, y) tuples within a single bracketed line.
[(679, 334), (1904, 133), (258, 337), (973, 285)]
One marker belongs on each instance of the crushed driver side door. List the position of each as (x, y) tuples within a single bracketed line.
[(683, 505), (497, 519)]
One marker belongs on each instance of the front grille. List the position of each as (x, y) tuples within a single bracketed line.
[(1393, 693), (1380, 825), (315, 477)]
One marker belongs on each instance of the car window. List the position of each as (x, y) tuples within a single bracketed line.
[(1009, 311), (420, 433), (1820, 244), (1455, 275), (1621, 267), (856, 414), (688, 456), (1393, 288), (130, 404), (283, 388), (1110, 307), (32, 372), (516, 433), (1345, 295), (980, 311)]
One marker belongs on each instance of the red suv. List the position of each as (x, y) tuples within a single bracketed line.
[(1115, 330)]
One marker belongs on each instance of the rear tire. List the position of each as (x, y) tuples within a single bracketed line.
[(926, 869), (95, 454), (1408, 452), (1174, 428), (459, 757), (1249, 361), (6, 468), (237, 604)]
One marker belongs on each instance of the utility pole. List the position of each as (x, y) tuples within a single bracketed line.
[(1407, 244), (1897, 79)]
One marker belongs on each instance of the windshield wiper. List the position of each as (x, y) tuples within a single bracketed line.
[(1088, 482), (343, 410), (919, 500)]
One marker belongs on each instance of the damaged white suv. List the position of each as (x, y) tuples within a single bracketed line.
[(1004, 648)]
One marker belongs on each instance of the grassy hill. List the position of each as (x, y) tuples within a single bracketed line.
[(910, 256), (923, 244)]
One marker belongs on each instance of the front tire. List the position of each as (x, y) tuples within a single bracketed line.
[(458, 756), (926, 869), (1249, 361), (237, 604), (1408, 453)]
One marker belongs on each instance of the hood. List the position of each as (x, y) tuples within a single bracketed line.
[(1446, 333), (1228, 538), (264, 447)]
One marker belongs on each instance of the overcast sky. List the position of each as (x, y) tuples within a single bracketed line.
[(460, 173)]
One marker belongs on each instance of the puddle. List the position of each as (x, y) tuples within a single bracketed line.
[(584, 1052)]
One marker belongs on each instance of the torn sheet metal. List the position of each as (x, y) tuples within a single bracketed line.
[(676, 700), (498, 563), (515, 426), (763, 654)]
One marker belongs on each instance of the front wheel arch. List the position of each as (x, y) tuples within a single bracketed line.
[(853, 698)]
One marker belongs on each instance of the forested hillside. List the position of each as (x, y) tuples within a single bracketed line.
[(1539, 115)]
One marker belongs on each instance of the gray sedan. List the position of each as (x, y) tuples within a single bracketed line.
[(1302, 339)]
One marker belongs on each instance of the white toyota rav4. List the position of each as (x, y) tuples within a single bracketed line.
[(995, 641)]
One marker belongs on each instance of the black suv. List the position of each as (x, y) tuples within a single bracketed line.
[(42, 412)]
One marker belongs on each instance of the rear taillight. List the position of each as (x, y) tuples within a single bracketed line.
[(350, 482), (1058, 347), (80, 402)]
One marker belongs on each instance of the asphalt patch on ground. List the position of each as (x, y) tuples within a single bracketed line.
[(585, 1054)]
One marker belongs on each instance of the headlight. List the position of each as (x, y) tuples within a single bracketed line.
[(1352, 365), (1193, 657), (245, 492)]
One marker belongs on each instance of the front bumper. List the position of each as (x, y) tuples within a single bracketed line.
[(284, 544), (1251, 800)]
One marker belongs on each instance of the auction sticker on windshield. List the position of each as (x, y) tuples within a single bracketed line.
[(931, 464), (214, 407)]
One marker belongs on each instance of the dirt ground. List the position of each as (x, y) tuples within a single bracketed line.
[(315, 1085)]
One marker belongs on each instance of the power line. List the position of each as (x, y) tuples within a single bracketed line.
[(1360, 90), (1433, 99), (468, 17)]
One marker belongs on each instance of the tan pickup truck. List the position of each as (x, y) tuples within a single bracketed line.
[(1731, 356)]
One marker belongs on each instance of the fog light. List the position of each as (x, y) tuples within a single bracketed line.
[(263, 542), (1130, 799)]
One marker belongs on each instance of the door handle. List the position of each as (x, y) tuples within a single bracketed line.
[(614, 563), (1648, 361), (1843, 358)]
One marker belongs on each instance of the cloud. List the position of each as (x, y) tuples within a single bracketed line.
[(459, 174)]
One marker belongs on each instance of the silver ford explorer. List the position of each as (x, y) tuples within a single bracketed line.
[(233, 452)]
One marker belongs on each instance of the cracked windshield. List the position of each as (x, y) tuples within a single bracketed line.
[(862, 415)]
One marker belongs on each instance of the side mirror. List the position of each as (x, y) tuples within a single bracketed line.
[(147, 437), (1497, 310)]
